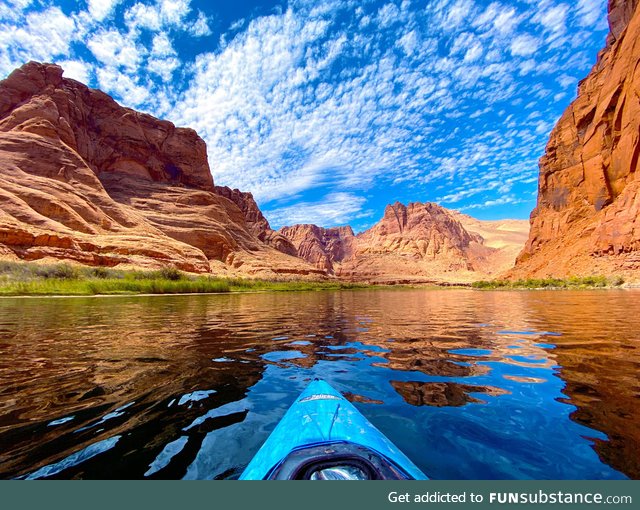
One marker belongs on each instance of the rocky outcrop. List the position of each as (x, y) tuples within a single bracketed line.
[(84, 179), (255, 220), (423, 231), (587, 220), (418, 243), (320, 246)]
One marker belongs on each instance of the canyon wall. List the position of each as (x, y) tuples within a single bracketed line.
[(86, 180), (415, 243), (587, 220)]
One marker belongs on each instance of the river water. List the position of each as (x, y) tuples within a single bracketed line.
[(469, 384)]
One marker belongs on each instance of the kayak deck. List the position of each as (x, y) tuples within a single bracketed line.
[(324, 436)]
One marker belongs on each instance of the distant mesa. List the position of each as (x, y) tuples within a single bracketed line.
[(418, 243)]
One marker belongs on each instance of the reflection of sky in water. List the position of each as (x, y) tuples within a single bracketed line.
[(73, 460), (464, 398)]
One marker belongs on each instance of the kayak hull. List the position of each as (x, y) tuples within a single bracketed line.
[(324, 420)]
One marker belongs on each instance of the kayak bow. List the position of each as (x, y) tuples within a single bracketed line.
[(324, 437)]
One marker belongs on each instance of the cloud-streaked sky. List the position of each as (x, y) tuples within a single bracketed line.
[(329, 110)]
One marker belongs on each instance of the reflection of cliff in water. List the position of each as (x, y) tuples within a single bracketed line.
[(171, 376), (438, 394), (149, 354), (599, 356)]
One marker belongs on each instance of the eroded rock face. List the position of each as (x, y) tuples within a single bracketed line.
[(320, 246), (84, 179), (587, 220), (415, 243), (418, 243), (256, 222), (111, 139)]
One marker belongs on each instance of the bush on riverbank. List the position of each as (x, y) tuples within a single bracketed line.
[(588, 282)]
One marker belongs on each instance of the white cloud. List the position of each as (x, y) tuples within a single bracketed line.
[(507, 200), (141, 16), (524, 45), (460, 11), (590, 12), (101, 9), (553, 18), (174, 11), (566, 81), (161, 45), (506, 21), (43, 36), (113, 48), (200, 27), (388, 15), (122, 86), (158, 15), (333, 210), (163, 67), (77, 70), (409, 42)]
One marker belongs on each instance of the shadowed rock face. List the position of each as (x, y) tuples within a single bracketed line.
[(587, 217), (84, 179), (414, 243)]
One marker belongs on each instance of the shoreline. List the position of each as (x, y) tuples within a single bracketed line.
[(22, 280), (6, 296)]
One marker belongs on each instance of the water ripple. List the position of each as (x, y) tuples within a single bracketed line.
[(468, 384)]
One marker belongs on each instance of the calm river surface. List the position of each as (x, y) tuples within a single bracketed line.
[(469, 384)]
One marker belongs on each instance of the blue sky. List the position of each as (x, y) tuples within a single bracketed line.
[(327, 111)]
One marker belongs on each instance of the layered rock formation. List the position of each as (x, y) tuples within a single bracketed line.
[(256, 222), (587, 220), (320, 246), (418, 243), (84, 179)]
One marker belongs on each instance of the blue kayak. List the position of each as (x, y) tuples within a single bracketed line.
[(324, 437)]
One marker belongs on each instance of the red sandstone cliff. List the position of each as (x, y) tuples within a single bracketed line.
[(587, 220), (319, 246), (256, 222), (84, 179), (414, 243)]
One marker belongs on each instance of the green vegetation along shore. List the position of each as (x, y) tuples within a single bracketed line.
[(30, 279), (589, 282)]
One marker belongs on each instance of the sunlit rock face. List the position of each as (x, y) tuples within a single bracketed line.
[(84, 179), (322, 247), (415, 243), (587, 217)]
